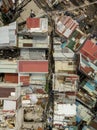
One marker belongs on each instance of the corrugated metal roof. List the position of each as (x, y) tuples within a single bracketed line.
[(11, 78), (33, 66), (25, 80), (66, 25), (89, 50)]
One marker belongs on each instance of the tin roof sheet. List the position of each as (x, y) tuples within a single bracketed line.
[(90, 50)]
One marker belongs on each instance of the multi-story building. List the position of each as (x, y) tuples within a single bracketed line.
[(24, 72), (65, 82), (87, 93), (65, 26)]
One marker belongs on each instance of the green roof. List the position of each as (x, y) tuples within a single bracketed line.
[(71, 43)]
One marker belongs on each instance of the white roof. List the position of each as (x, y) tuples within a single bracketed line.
[(7, 35), (58, 119), (65, 109), (4, 37), (9, 105)]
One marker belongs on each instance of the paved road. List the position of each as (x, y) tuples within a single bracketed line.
[(82, 6), (75, 8)]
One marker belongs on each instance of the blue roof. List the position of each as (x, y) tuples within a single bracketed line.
[(63, 45), (90, 86), (78, 119)]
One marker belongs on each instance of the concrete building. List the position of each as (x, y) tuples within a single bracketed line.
[(76, 40), (87, 94), (65, 25), (83, 113), (37, 25), (65, 82), (24, 72), (37, 30), (8, 35)]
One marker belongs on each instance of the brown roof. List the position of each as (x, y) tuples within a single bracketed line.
[(5, 92), (93, 124)]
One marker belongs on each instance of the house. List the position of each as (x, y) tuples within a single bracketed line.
[(33, 54), (11, 78), (8, 73), (86, 99), (34, 42), (60, 49), (93, 123), (35, 34), (9, 112), (37, 26), (8, 35), (24, 69), (68, 28), (76, 40), (56, 40), (63, 82), (62, 54), (64, 115), (11, 104), (33, 76), (89, 49), (64, 58), (7, 66), (83, 113), (64, 88), (88, 59), (68, 66), (87, 94), (33, 80), (34, 104), (33, 66), (8, 120), (5, 92), (65, 26)]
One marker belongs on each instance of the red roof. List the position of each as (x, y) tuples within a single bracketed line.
[(24, 80), (33, 66), (11, 78), (86, 69), (89, 50), (33, 23), (69, 24)]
